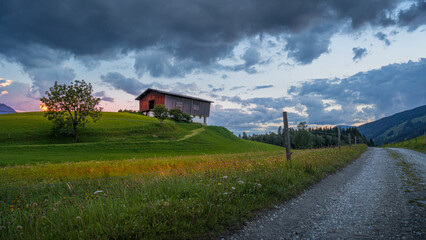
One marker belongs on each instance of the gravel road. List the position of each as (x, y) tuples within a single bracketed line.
[(375, 197)]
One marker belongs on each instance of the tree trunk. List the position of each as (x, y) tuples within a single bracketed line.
[(74, 132)]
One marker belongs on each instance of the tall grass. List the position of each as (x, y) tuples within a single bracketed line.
[(205, 196)]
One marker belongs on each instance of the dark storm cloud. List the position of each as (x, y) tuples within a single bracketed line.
[(415, 16), (359, 53), (174, 38), (383, 37), (160, 63), (308, 45), (44, 65), (120, 82), (380, 92), (103, 96)]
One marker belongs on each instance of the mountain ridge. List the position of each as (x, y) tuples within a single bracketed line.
[(397, 127), (4, 109)]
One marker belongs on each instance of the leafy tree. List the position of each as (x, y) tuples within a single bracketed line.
[(68, 106), (245, 135), (303, 139), (161, 113)]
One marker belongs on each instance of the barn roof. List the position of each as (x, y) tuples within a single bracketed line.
[(171, 94)]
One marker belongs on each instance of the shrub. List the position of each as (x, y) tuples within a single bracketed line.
[(176, 114), (186, 118)]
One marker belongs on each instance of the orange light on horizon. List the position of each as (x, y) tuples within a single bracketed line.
[(43, 108)]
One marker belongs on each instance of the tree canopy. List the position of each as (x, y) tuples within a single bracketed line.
[(69, 106), (161, 113)]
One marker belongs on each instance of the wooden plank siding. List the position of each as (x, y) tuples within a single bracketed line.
[(159, 98), (191, 105)]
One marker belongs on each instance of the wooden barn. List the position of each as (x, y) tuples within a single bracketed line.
[(191, 105)]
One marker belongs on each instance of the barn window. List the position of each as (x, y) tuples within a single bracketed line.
[(151, 104), (179, 105), (196, 107)]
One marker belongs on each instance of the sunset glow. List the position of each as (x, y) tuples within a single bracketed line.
[(43, 108)]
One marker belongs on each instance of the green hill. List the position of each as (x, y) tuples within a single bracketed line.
[(25, 138), (416, 144), (396, 128)]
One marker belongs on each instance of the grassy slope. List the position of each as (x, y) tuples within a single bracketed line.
[(416, 144), (116, 136)]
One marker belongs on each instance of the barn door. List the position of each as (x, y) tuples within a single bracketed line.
[(151, 104)]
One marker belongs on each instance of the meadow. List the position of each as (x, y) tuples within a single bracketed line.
[(174, 198), (416, 144), (189, 181), (25, 139)]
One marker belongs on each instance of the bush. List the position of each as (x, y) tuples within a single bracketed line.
[(176, 114), (186, 118)]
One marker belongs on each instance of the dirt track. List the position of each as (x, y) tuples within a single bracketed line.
[(381, 195)]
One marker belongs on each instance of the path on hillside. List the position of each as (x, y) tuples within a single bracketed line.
[(193, 133), (375, 197)]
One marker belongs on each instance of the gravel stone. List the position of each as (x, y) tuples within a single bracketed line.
[(368, 199)]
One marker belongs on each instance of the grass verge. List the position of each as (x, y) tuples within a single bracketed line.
[(417, 144), (172, 199)]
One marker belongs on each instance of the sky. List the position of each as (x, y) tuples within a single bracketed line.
[(329, 62)]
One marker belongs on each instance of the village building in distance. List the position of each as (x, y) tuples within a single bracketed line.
[(190, 105)]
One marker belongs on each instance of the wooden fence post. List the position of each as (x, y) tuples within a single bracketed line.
[(355, 139), (287, 137), (338, 138), (350, 140)]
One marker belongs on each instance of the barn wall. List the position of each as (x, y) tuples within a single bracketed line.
[(159, 98), (190, 106)]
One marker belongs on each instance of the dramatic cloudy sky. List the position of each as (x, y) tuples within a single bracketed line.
[(326, 62)]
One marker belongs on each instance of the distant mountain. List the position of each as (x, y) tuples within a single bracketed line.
[(398, 127), (6, 109)]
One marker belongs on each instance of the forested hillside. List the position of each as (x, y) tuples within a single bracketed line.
[(304, 137), (398, 127)]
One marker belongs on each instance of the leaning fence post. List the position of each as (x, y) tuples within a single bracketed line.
[(287, 137), (338, 138)]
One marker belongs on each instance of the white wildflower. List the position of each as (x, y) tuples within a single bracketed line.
[(225, 177), (233, 188), (240, 182), (99, 191)]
